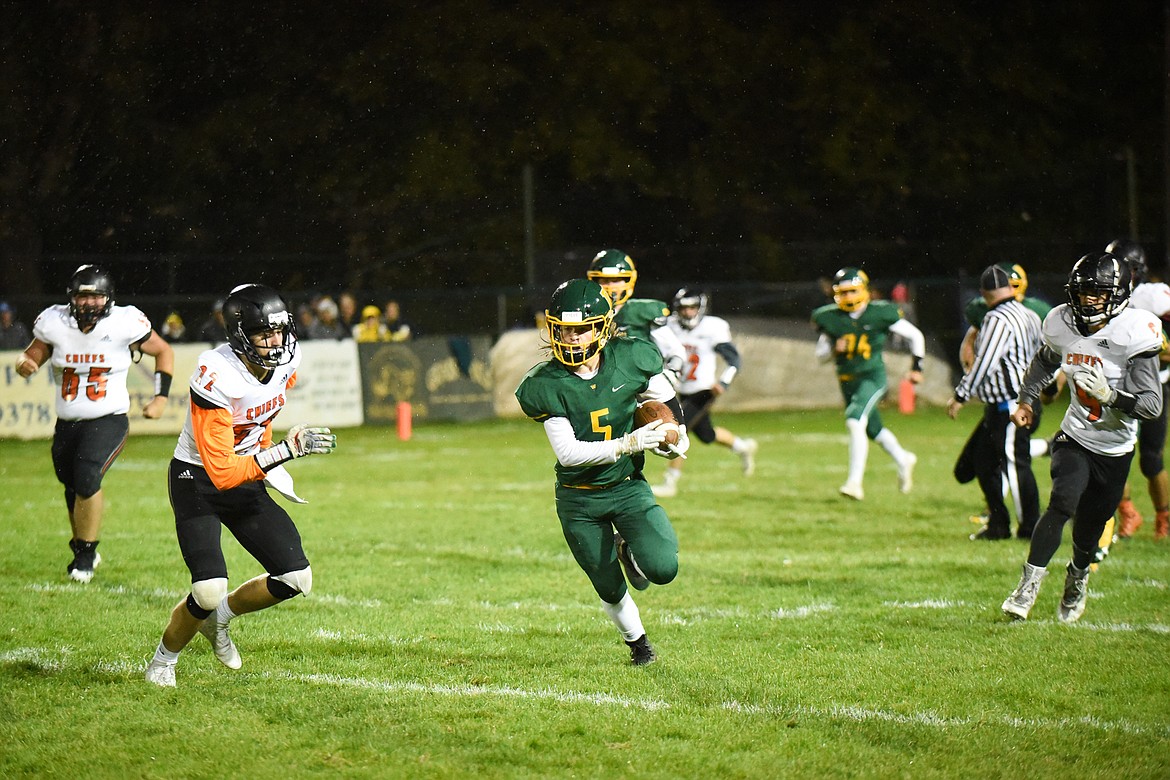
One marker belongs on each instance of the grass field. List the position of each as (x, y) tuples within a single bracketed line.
[(450, 634)]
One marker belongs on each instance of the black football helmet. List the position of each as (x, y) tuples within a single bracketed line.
[(252, 309), (1098, 290), (577, 304), (90, 280), (1132, 253), (685, 298)]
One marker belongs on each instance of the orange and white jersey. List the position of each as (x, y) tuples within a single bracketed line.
[(1101, 429), (698, 372), (89, 369), (230, 416)]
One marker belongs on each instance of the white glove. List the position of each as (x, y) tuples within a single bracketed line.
[(303, 440), (648, 437), (1092, 382), (676, 450)]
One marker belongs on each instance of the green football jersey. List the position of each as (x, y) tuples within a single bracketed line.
[(977, 309), (867, 336), (600, 409), (638, 316)]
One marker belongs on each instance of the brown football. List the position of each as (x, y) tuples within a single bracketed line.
[(656, 410)]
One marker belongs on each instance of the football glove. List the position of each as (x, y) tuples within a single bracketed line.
[(648, 437), (676, 450), (303, 440), (1092, 382)]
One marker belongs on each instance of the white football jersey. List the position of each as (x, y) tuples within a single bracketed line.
[(1133, 332), (221, 379), (699, 371), (89, 369), (1151, 296)]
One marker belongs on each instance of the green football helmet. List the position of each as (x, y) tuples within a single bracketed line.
[(579, 320), (614, 270), (1017, 278), (850, 289)]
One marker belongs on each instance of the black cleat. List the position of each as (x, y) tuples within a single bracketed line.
[(86, 558), (990, 535), (641, 653), (634, 575)]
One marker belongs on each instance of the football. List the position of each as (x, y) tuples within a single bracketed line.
[(656, 410)]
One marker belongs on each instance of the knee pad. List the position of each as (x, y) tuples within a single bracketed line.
[(208, 593), (299, 581)]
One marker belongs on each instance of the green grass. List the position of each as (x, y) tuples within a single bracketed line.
[(450, 634)]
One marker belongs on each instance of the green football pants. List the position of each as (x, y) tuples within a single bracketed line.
[(588, 519)]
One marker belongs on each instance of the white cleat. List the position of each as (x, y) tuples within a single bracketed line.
[(221, 642), (906, 473), (748, 456), (665, 490), (161, 674), (852, 490)]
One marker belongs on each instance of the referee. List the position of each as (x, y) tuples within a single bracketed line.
[(1008, 340)]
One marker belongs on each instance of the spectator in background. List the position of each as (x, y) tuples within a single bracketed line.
[(327, 326), (399, 328), (305, 321), (371, 328), (173, 328), (13, 333), (211, 330), (347, 311)]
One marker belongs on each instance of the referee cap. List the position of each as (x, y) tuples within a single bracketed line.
[(994, 278)]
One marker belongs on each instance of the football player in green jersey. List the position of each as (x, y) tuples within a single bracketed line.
[(585, 397), (853, 332), (640, 318)]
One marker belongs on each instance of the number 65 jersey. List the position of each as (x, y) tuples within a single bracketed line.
[(1133, 335), (89, 369)]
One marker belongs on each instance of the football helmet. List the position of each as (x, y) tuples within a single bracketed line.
[(1018, 279), (90, 280), (611, 264), (1098, 290), (1132, 253), (850, 289), (687, 297), (252, 309), (576, 305)]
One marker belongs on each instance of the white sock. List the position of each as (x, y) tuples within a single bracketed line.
[(672, 475), (858, 450), (625, 616), (223, 613), (162, 655), (889, 442), (737, 445)]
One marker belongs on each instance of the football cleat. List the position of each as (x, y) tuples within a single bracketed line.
[(987, 534), (1019, 603), (748, 456), (1131, 519), (1076, 592), (641, 652), (852, 490), (221, 642), (906, 473), (86, 558), (634, 575), (665, 490), (161, 674)]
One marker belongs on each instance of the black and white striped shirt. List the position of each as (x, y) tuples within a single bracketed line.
[(1005, 346)]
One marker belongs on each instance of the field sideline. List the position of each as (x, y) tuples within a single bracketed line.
[(450, 633)]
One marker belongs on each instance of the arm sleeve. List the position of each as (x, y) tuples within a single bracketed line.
[(909, 331), (214, 437), (572, 452), (1140, 394), (669, 345), (1039, 375), (658, 389)]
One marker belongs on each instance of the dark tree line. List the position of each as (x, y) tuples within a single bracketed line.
[(378, 132)]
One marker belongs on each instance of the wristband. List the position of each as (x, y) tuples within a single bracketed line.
[(162, 383), (915, 363), (273, 456)]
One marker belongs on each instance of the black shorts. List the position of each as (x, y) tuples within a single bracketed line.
[(83, 450), (258, 523), (697, 415)]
